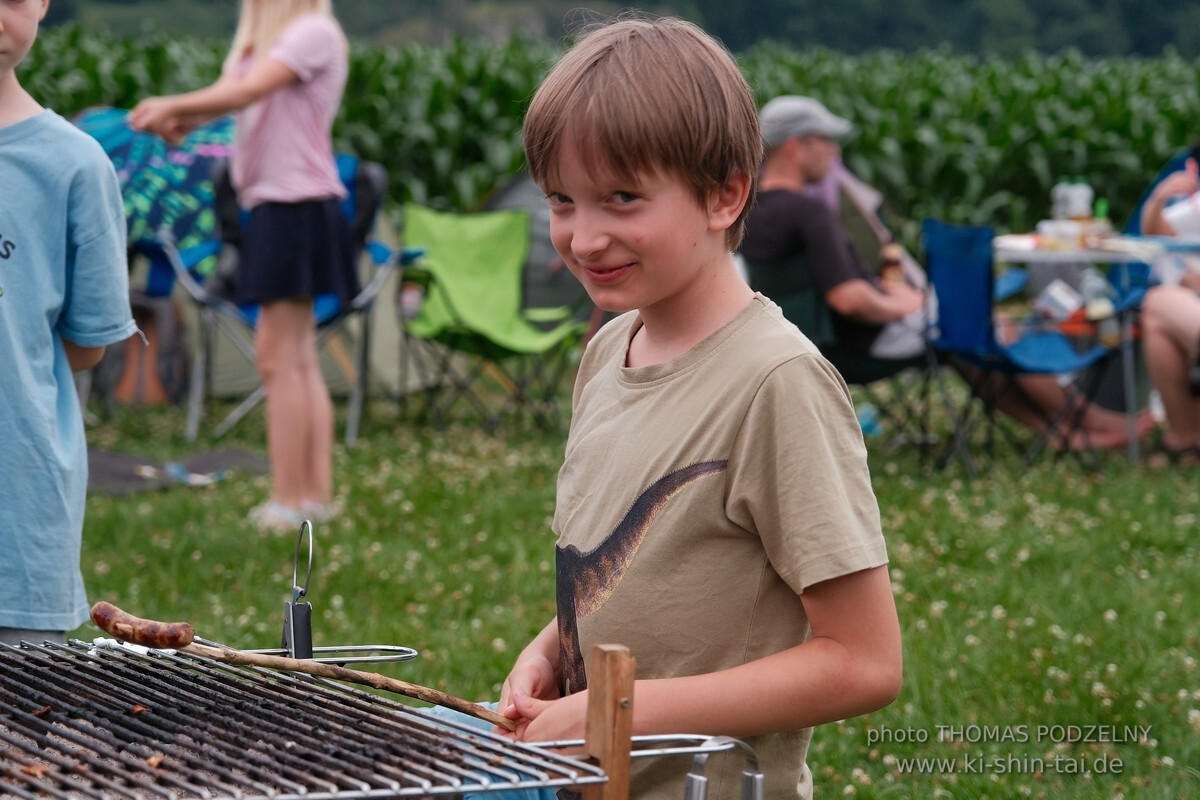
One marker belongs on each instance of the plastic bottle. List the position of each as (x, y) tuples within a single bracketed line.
[(1101, 224), (1098, 306), (1079, 202), (1059, 198)]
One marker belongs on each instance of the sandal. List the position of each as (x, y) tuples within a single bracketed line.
[(1160, 456)]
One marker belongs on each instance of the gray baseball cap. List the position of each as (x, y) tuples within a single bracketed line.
[(792, 115)]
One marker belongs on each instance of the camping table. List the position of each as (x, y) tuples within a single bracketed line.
[(1121, 250)]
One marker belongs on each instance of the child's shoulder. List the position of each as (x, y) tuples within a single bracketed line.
[(50, 131), (312, 25)]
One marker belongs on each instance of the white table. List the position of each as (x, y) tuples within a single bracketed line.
[(1124, 250)]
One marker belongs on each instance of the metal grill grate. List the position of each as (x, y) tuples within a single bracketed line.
[(83, 722)]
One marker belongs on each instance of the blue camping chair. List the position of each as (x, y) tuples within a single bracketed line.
[(959, 263), (366, 184)]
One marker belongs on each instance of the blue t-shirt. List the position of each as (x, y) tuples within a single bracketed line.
[(63, 275)]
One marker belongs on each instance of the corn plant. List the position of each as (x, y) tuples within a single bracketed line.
[(983, 140), (963, 138)]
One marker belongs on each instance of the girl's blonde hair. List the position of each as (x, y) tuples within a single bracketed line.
[(261, 21)]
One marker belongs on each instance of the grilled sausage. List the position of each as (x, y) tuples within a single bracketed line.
[(145, 632)]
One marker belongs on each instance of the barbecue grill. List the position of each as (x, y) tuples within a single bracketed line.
[(80, 721), (84, 722)]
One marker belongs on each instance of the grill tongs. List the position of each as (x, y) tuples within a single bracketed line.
[(297, 624)]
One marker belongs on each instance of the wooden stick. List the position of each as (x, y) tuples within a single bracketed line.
[(228, 655), (610, 673), (179, 636)]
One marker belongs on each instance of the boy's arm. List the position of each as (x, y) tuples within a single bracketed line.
[(81, 357), (852, 665)]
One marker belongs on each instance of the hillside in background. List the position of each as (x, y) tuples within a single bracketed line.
[(1008, 28)]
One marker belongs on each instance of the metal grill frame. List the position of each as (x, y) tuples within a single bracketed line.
[(117, 754)]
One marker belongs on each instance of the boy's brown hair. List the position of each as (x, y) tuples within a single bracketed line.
[(657, 96)]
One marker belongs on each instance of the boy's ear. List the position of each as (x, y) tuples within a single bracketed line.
[(45, 8), (727, 202)]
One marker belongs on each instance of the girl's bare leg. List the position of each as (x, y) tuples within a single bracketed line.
[(299, 410)]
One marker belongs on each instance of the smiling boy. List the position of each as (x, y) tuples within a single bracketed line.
[(63, 297), (714, 511)]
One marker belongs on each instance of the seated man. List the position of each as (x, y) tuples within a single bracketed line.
[(790, 232), (797, 249)]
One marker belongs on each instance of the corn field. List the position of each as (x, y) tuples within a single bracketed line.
[(963, 138)]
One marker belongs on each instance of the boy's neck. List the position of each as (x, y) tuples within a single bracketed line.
[(16, 104), (669, 333)]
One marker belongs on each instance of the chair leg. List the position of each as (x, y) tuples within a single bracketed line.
[(238, 414), (200, 376), (358, 391), (1069, 418)]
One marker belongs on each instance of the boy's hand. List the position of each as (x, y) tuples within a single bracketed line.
[(548, 720), (532, 676)]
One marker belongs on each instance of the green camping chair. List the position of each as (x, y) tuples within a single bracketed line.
[(471, 327)]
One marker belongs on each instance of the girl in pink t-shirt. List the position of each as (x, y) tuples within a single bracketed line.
[(284, 75)]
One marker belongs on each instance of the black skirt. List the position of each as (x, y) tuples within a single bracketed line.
[(296, 250)]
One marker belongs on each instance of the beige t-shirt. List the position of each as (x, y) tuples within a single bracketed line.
[(698, 498)]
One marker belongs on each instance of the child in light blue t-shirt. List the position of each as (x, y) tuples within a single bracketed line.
[(63, 298)]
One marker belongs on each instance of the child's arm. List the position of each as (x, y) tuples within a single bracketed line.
[(1185, 182), (80, 357), (229, 93), (852, 665)]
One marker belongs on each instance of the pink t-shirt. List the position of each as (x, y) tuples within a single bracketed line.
[(284, 148)]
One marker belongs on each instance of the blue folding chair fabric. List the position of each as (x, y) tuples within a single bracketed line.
[(366, 185), (959, 264)]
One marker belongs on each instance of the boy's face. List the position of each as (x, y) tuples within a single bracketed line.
[(636, 244), (18, 29)]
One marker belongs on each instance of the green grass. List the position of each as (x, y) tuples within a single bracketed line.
[(1030, 598)]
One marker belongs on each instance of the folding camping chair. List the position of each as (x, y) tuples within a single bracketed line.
[(471, 326), (959, 263), (366, 184)]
